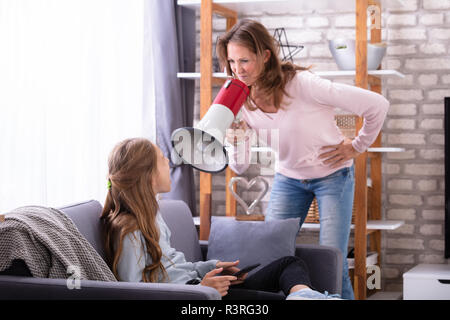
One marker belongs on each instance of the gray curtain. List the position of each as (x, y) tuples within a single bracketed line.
[(172, 29)]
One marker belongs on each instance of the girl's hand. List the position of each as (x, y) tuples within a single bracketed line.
[(220, 283), (237, 133), (341, 153), (230, 268)]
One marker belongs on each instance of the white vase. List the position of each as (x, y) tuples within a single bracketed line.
[(343, 51)]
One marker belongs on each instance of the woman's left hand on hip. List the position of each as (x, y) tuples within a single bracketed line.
[(339, 153)]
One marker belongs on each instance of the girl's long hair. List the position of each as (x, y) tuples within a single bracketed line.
[(131, 203), (255, 37)]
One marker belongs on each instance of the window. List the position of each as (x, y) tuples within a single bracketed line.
[(71, 86)]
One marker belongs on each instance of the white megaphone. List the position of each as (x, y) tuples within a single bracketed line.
[(202, 147)]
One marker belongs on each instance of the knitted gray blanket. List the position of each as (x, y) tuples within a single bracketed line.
[(50, 244)]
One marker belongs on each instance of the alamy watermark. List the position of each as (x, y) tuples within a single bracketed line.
[(374, 280), (375, 17), (74, 279)]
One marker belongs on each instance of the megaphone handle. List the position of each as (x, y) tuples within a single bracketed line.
[(238, 117)]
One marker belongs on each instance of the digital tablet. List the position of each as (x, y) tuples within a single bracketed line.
[(246, 270)]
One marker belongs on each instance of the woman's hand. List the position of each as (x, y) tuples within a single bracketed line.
[(220, 283), (341, 153), (237, 133)]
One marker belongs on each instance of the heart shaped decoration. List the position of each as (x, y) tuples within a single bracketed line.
[(248, 185)]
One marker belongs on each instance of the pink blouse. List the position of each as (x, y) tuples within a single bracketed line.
[(305, 123)]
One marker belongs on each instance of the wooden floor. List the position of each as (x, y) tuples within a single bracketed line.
[(386, 295)]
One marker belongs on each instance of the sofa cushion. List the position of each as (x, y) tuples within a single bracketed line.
[(86, 216), (252, 241), (183, 234)]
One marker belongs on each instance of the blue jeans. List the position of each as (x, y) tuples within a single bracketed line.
[(291, 198)]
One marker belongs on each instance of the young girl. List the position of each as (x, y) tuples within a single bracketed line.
[(137, 240)]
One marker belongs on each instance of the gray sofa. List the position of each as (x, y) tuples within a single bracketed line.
[(16, 282)]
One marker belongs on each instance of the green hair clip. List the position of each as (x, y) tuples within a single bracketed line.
[(109, 184)]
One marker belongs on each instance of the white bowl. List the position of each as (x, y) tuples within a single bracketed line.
[(343, 51)]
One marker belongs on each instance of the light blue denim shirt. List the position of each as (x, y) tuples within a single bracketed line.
[(134, 258)]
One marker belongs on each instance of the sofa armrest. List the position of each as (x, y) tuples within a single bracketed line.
[(14, 287), (324, 263), (325, 266)]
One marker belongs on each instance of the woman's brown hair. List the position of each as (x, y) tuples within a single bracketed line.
[(255, 37), (131, 203)]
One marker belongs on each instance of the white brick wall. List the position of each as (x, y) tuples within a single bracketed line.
[(418, 37), (436, 4)]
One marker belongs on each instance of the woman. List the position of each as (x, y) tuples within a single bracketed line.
[(314, 158), (137, 240)]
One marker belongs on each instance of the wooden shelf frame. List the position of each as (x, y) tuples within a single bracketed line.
[(208, 8), (363, 78)]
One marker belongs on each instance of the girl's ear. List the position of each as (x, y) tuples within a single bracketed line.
[(267, 55)]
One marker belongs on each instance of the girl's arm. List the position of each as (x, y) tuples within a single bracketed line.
[(133, 258), (203, 267)]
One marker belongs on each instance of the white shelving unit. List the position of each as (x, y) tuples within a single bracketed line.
[(196, 75), (371, 224), (326, 74), (381, 149), (291, 6), (371, 260)]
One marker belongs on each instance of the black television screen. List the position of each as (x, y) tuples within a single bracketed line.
[(447, 176)]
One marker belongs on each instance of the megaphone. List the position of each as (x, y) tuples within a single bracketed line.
[(202, 147)]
